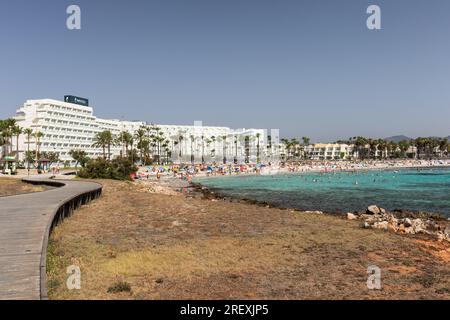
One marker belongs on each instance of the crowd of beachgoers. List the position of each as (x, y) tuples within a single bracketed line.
[(187, 171)]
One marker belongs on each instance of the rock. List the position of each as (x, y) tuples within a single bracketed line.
[(351, 216), (391, 219), (314, 212), (407, 222), (378, 218), (441, 236), (401, 228), (373, 209), (381, 225), (409, 230), (418, 225), (373, 219), (447, 232)]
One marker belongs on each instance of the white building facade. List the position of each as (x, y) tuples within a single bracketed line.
[(69, 126), (329, 151)]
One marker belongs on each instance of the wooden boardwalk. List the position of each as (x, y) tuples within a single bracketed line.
[(25, 223)]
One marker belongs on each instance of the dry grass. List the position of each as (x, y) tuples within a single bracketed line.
[(176, 247), (11, 186)]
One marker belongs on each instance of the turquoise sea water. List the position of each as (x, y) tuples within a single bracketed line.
[(407, 189)]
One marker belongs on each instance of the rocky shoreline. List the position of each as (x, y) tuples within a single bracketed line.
[(404, 222), (428, 224)]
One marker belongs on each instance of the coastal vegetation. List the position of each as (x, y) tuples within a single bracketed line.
[(117, 169), (10, 131), (9, 187), (133, 243), (80, 157)]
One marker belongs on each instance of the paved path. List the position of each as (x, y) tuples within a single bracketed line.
[(25, 222)]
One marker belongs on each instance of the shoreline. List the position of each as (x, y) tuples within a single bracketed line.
[(211, 192), (284, 171)]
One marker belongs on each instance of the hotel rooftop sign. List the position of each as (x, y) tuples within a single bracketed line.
[(77, 100)]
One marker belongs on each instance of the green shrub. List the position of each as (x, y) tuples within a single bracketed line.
[(120, 286), (117, 169)]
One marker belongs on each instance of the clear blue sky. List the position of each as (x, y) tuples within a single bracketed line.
[(307, 67)]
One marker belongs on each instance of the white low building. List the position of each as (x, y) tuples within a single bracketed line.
[(328, 151), (69, 126)]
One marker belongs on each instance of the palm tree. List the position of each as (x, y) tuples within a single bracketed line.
[(180, 140), (443, 146), (165, 148), (213, 151), (98, 142), (258, 136), (109, 139), (360, 145), (247, 148), (203, 148), (373, 143), (168, 153), (17, 131), (422, 145), (224, 148), (38, 135), (391, 148), (192, 148), (433, 144), (160, 139), (287, 147), (2, 140), (294, 144), (7, 137), (404, 146), (9, 126), (174, 145), (381, 146), (157, 139), (104, 140), (123, 139), (140, 137), (3, 136), (235, 148), (306, 141), (208, 144), (28, 132)]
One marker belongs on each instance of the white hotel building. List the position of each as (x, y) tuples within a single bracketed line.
[(67, 126), (329, 151)]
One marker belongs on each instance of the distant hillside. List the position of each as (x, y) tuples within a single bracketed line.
[(397, 139), (448, 138)]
